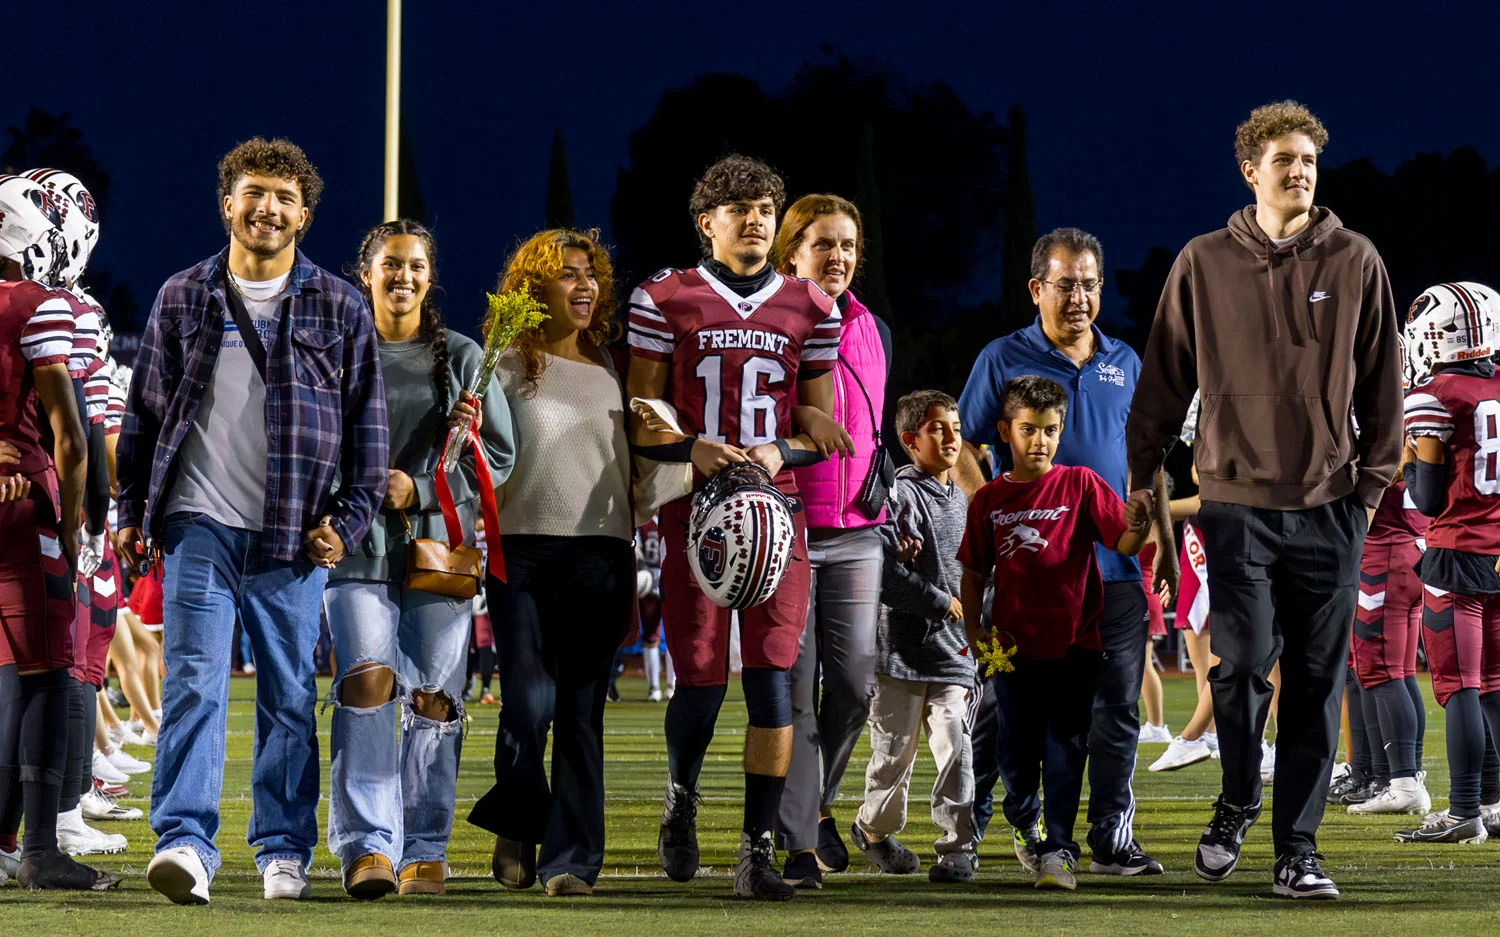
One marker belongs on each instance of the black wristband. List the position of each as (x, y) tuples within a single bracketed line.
[(796, 458), (667, 452)]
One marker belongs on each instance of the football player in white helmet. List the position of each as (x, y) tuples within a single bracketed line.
[(31, 239), (1448, 324), (78, 215)]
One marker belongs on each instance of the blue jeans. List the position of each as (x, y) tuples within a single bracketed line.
[(212, 572), (424, 640)]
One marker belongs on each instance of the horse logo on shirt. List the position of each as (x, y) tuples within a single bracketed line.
[(1021, 537)]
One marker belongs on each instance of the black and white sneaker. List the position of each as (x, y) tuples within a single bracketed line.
[(1132, 860), (677, 840), (1300, 876), (1366, 791), (833, 855), (755, 874), (1443, 827), (1219, 847), (1344, 785), (802, 871)]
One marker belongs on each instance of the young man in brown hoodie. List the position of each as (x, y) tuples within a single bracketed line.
[(1285, 322)]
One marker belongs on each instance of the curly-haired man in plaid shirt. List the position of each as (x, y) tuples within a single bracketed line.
[(250, 457)]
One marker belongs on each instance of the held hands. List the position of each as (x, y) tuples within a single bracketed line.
[(1165, 575), (322, 545), (90, 552), (908, 549), (1138, 509), (711, 457), (400, 490), (466, 411)]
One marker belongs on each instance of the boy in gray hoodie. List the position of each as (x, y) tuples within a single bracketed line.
[(924, 675)]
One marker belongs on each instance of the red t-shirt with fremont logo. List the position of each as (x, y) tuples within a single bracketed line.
[(1462, 410), (1037, 541), (734, 360)]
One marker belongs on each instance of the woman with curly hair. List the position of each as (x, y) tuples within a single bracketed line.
[(399, 649), (566, 533)]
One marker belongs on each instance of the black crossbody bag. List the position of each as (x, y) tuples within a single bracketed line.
[(877, 485), (246, 325)]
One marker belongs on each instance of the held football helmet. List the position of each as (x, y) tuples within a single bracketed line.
[(740, 537), (31, 230), (1448, 323), (80, 218)]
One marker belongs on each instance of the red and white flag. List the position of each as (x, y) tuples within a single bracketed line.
[(1192, 597)]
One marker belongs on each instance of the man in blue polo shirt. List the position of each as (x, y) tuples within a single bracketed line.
[(1100, 375)]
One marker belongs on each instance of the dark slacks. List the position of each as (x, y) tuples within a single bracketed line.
[(1282, 585), (557, 622)]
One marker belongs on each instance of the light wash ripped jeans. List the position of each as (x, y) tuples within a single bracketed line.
[(388, 797)]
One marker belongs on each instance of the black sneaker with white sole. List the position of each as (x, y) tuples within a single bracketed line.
[(1219, 847), (1300, 876), (802, 871), (833, 855), (1132, 860), (755, 874)]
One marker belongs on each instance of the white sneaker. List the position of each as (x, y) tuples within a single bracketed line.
[(147, 738), (286, 879), (249, 671), (179, 874), (105, 771), (671, 691), (10, 863), (77, 838), (98, 806), (654, 696), (1181, 753), (1338, 772), (1154, 735), (128, 763), (123, 734), (1404, 795), (1212, 740), (1267, 762)]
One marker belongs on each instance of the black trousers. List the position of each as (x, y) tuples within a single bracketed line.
[(557, 622), (1281, 585), (1115, 725)]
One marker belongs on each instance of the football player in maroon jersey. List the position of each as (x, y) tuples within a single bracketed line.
[(38, 553), (724, 343), (1452, 470)]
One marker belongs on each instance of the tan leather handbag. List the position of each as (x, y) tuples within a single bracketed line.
[(440, 568)]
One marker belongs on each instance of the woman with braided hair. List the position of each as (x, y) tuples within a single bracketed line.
[(391, 809)]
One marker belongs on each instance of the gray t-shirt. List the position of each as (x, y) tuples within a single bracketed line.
[(221, 465)]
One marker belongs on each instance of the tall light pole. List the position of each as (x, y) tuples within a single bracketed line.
[(392, 108)]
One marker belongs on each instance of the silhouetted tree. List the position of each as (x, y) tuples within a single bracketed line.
[(50, 141), (559, 190)]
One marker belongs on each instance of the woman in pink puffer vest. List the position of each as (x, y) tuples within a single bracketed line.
[(821, 239)]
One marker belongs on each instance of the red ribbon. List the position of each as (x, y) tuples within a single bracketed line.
[(488, 509)]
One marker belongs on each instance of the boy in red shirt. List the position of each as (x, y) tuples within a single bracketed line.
[(1033, 530)]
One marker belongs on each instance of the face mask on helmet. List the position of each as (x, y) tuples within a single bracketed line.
[(30, 231), (78, 216), (740, 537), (1448, 324)]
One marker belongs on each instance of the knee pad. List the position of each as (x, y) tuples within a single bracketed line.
[(768, 697)]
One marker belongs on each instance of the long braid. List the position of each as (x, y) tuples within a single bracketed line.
[(432, 332)]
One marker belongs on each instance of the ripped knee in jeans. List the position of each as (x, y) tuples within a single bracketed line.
[(367, 684)]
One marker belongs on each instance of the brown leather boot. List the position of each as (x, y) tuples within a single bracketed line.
[(424, 878)]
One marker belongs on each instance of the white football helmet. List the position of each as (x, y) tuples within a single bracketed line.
[(1448, 323), (740, 537), (31, 230), (80, 217)]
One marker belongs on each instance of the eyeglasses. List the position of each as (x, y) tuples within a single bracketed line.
[(1066, 287)]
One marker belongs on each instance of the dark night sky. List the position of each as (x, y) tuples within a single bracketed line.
[(1132, 106)]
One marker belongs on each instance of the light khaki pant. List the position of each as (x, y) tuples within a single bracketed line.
[(900, 709)]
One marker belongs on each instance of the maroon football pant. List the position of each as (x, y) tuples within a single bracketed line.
[(1388, 619), (1462, 636), (36, 590), (698, 630), (94, 622)]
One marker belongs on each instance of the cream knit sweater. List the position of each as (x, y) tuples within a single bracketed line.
[(572, 468)]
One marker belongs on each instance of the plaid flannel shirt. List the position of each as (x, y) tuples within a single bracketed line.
[(327, 447)]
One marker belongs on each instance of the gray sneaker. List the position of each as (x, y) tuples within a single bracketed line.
[(954, 867), (887, 855), (1027, 842), (1058, 871)]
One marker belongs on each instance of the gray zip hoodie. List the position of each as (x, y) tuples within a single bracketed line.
[(916, 639)]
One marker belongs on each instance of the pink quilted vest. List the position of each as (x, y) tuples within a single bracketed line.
[(829, 488)]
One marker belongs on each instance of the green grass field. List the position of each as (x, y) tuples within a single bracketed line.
[(1388, 888)]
